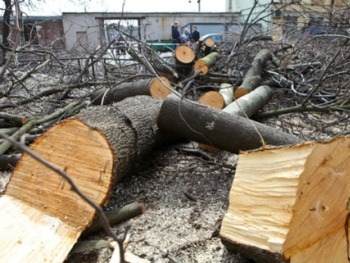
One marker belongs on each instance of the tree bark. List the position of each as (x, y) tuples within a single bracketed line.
[(6, 30), (41, 214), (226, 90), (202, 65), (253, 77), (249, 104), (157, 88), (291, 211), (131, 128), (203, 124)]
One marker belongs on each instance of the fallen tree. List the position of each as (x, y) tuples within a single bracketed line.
[(291, 204), (191, 120)]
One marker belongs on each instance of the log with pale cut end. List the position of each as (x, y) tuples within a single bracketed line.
[(191, 120), (248, 105), (291, 204), (253, 77), (41, 216), (184, 54), (209, 42), (202, 65), (213, 99), (159, 88)]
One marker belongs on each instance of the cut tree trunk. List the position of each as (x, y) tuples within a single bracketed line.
[(249, 104), (184, 54), (203, 124), (158, 88), (291, 204), (202, 65), (131, 128), (41, 215), (253, 77)]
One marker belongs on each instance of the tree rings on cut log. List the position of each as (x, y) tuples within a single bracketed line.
[(291, 204), (213, 99), (41, 215), (184, 54), (201, 66), (160, 88), (209, 42)]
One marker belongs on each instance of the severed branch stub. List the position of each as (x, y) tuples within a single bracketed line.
[(253, 77)]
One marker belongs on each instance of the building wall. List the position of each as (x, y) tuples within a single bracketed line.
[(87, 30), (42, 31)]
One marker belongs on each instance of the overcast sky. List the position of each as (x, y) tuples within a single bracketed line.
[(56, 7)]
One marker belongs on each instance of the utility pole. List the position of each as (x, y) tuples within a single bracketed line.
[(199, 4)]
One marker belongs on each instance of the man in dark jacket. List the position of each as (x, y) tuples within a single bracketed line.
[(195, 34), (175, 34)]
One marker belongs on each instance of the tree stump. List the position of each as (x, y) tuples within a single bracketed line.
[(291, 204)]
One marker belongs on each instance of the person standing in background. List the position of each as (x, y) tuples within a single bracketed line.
[(185, 37), (195, 34), (175, 34)]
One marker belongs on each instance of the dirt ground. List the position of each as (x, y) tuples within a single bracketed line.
[(185, 195)]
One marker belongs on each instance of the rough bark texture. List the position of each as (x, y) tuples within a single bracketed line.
[(130, 126), (217, 128), (202, 65), (253, 77), (249, 104), (291, 211), (157, 88)]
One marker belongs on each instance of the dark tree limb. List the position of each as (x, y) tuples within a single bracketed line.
[(185, 118)]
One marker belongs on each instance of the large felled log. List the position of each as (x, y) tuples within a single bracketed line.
[(130, 126), (41, 216), (203, 124), (291, 204), (253, 77), (158, 88), (249, 104)]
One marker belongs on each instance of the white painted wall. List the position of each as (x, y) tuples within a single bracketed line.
[(154, 26)]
